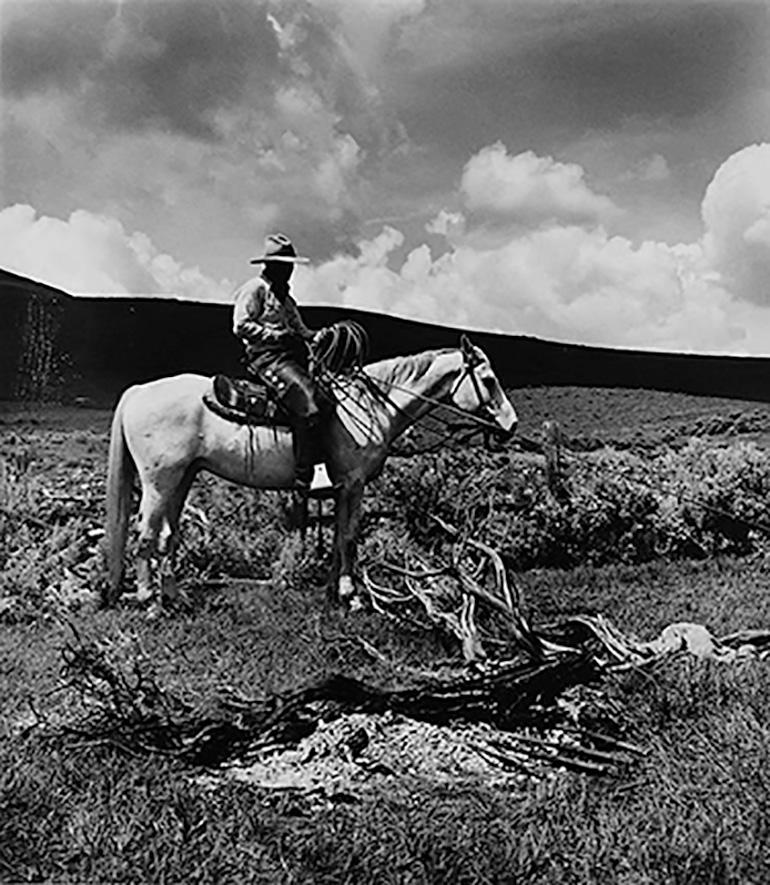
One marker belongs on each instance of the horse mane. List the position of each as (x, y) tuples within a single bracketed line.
[(405, 369)]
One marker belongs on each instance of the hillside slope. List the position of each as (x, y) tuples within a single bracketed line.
[(54, 345)]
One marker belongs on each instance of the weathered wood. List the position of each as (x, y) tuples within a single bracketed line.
[(555, 471), (134, 713)]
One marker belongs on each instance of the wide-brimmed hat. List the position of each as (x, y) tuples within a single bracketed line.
[(279, 248)]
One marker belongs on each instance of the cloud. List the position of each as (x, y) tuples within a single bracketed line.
[(150, 65), (655, 169), (447, 224), (206, 124), (329, 47), (568, 282), (250, 115), (562, 283), (571, 282), (529, 190), (50, 44), (176, 65), (370, 35), (736, 216), (94, 254)]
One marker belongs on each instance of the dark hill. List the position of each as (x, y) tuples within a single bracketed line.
[(54, 345)]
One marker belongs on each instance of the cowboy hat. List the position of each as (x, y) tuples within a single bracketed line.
[(279, 248)]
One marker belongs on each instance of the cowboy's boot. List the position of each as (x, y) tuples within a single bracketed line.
[(306, 446)]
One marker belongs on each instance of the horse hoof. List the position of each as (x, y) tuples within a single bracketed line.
[(346, 589), (143, 595), (154, 612)]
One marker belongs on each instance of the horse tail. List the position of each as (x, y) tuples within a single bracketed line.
[(120, 475)]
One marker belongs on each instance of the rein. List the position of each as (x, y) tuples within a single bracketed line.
[(483, 424)]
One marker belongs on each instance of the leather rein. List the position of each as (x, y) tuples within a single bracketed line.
[(483, 422)]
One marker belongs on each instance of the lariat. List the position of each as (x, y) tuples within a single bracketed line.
[(338, 356)]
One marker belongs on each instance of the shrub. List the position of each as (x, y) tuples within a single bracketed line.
[(616, 507), (43, 564), (226, 530)]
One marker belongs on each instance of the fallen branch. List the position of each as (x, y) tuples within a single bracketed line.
[(506, 602), (462, 626), (128, 708), (605, 740), (511, 599), (577, 749)]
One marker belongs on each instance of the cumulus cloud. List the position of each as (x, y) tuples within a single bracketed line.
[(205, 125), (736, 216), (94, 254), (529, 190), (577, 283), (447, 224), (563, 283), (569, 282)]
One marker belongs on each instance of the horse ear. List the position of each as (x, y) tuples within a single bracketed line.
[(465, 344)]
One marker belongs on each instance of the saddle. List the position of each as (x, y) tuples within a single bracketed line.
[(245, 402), (337, 349)]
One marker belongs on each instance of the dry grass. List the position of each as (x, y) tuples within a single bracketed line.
[(694, 810)]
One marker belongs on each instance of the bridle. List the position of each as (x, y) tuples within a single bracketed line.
[(344, 346), (483, 412), (482, 419)]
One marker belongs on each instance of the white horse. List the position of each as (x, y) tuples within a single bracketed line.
[(163, 432)]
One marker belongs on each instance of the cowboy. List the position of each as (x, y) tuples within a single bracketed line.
[(266, 318)]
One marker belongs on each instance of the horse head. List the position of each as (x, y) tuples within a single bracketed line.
[(479, 392)]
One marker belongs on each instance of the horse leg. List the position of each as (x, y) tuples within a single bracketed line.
[(169, 539), (151, 512), (161, 504), (348, 513), (300, 507)]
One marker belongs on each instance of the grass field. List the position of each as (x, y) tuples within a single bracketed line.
[(695, 808)]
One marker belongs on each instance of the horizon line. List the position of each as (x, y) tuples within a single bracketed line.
[(165, 296)]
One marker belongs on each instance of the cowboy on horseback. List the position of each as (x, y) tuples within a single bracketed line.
[(277, 344)]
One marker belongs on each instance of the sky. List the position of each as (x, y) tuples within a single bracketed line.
[(590, 171)]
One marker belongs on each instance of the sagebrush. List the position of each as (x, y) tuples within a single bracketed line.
[(614, 507)]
